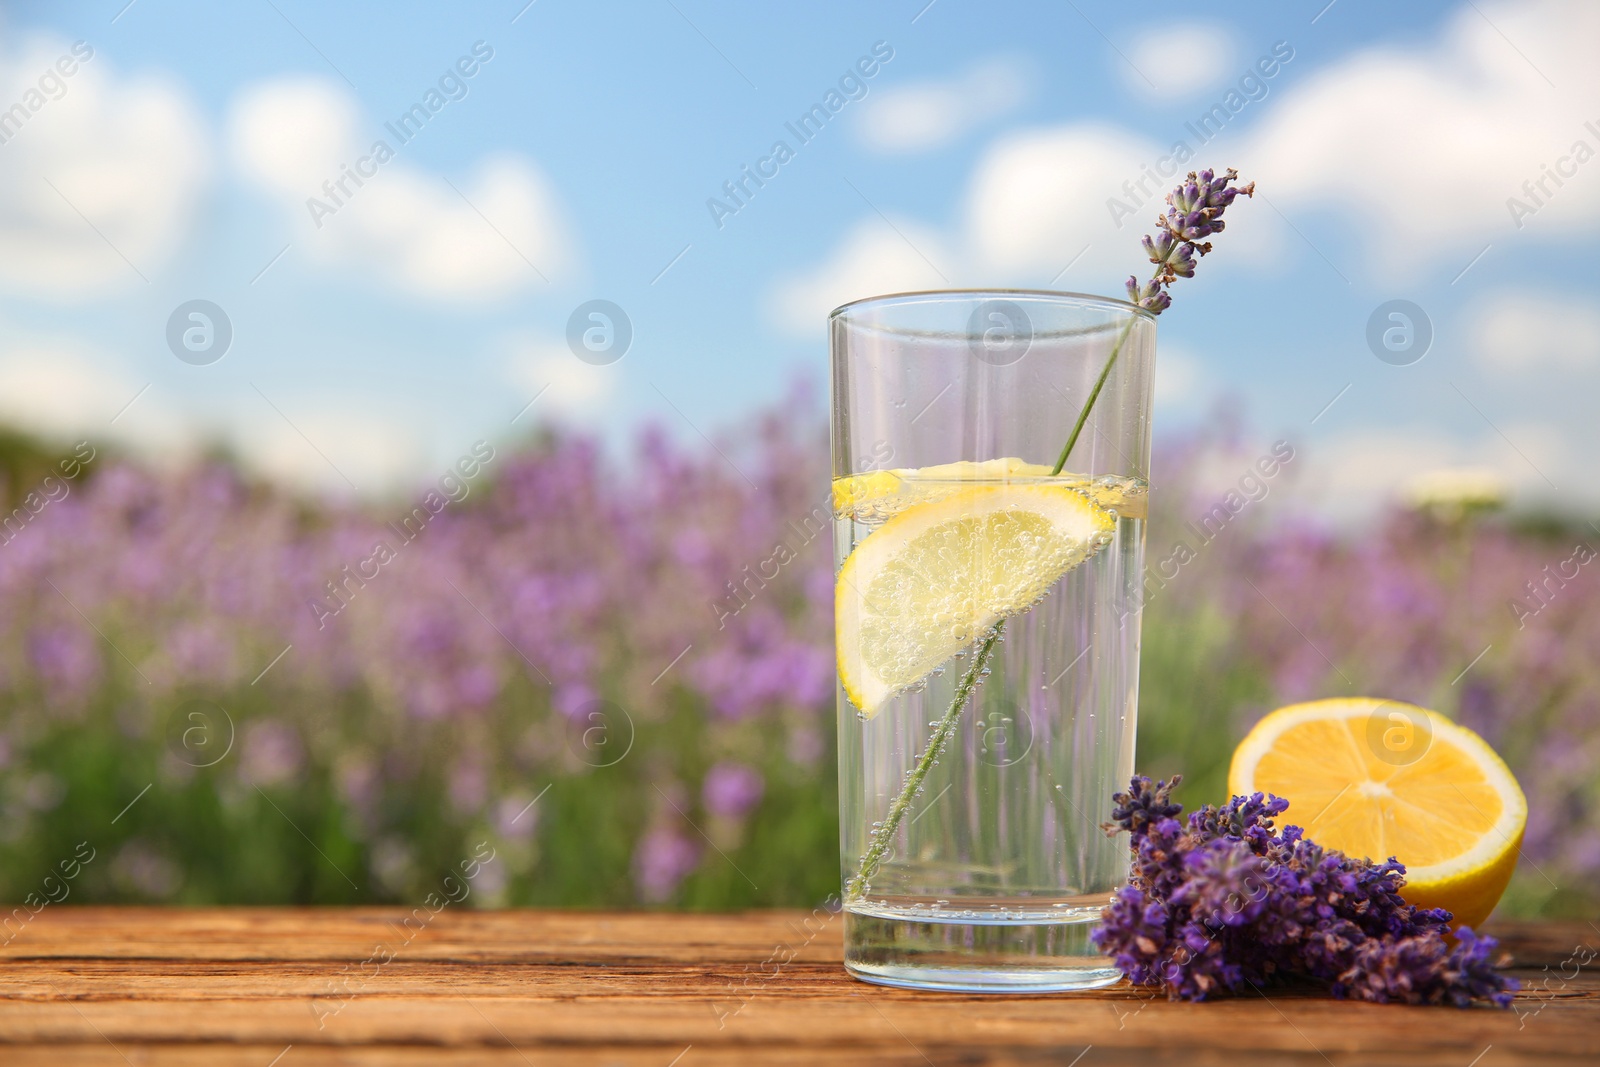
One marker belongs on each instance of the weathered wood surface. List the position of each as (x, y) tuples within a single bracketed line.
[(294, 988)]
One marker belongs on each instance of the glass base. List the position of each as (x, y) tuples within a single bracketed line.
[(968, 951)]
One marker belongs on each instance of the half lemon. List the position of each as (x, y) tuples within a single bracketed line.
[(1378, 778)]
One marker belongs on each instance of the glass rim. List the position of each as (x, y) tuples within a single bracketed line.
[(1060, 296)]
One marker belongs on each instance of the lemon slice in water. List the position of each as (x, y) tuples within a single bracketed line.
[(876, 495), (937, 575)]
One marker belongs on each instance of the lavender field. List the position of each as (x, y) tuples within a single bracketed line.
[(618, 674)]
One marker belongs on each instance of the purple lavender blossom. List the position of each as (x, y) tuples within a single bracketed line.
[(731, 790), (270, 752), (1226, 903), (469, 784), (758, 666), (66, 659), (664, 858), (515, 817), (1194, 212)]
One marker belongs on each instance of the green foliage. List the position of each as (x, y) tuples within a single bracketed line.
[(1193, 700), (163, 829), (218, 840), (215, 840)]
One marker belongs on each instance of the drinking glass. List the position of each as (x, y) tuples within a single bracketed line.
[(971, 801)]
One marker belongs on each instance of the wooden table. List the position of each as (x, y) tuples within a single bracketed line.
[(292, 988)]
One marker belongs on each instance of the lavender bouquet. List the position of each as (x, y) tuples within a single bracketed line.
[(1223, 902)]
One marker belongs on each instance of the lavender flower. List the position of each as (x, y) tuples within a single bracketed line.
[(1194, 212), (1226, 902), (663, 858), (731, 790), (270, 753)]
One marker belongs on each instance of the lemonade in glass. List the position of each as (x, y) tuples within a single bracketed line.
[(987, 628)]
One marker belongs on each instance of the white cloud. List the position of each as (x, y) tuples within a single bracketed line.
[(89, 152), (1171, 61), (1420, 147), (1035, 207), (1181, 379), (1424, 146), (921, 116), (401, 225), (324, 447), (873, 259), (1518, 333), (1354, 474), (1534, 450), (292, 134), (1038, 200), (61, 390), (565, 385)]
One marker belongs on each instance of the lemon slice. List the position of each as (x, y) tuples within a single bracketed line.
[(887, 491), (873, 496), (935, 576), (1378, 778)]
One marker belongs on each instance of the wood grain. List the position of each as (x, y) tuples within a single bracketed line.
[(301, 987)]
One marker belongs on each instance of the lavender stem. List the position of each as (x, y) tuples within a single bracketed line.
[(1094, 394), (1194, 211), (856, 888)]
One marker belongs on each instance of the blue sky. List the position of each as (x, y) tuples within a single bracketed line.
[(427, 310)]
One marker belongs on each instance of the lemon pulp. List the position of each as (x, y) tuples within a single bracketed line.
[(1378, 778), (948, 564)]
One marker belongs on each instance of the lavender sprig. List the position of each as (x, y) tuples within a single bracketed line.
[(1194, 212), (1224, 902)]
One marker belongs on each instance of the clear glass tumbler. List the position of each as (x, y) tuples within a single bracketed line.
[(978, 752)]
